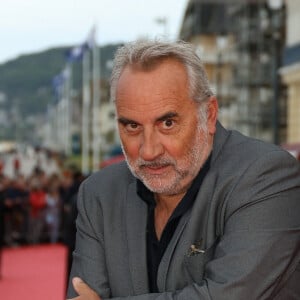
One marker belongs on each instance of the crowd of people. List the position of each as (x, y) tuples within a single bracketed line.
[(38, 208), (35, 209)]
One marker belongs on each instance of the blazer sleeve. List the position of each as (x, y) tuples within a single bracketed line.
[(89, 256), (259, 247)]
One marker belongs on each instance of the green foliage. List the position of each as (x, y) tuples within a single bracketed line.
[(27, 80)]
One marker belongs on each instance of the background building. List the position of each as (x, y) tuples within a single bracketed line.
[(206, 24), (290, 73), (241, 44)]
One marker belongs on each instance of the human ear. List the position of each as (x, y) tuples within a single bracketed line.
[(212, 114)]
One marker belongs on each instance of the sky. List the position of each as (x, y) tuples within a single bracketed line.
[(30, 26)]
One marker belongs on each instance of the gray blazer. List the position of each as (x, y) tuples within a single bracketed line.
[(240, 240)]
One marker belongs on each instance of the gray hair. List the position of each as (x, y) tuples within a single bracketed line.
[(145, 53)]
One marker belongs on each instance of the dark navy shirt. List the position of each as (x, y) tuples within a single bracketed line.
[(155, 247)]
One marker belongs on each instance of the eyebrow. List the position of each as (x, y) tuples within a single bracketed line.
[(166, 116), (126, 121)]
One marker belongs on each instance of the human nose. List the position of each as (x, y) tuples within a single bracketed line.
[(151, 146)]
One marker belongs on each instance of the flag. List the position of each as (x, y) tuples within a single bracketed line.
[(58, 83), (76, 53)]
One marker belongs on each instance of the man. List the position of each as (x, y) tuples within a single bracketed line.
[(199, 212)]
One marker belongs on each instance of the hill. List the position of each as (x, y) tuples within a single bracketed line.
[(26, 82)]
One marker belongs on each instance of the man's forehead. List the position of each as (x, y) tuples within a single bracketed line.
[(155, 108), (152, 93)]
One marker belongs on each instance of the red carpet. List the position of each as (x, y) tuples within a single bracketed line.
[(33, 273)]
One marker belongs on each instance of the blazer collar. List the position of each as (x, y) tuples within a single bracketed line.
[(219, 140)]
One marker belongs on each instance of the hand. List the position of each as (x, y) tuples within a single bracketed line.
[(83, 290)]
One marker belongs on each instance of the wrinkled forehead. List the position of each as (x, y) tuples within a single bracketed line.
[(165, 75), (153, 93)]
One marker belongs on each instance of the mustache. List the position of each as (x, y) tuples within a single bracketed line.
[(162, 162)]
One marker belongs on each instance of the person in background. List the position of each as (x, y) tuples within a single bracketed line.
[(53, 208), (198, 211), (37, 202), (15, 207), (2, 165), (16, 165), (70, 215)]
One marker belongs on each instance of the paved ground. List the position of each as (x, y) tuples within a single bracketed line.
[(34, 273)]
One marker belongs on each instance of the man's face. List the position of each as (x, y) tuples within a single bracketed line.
[(159, 127)]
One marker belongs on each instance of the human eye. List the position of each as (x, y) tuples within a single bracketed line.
[(168, 124), (128, 126), (132, 127)]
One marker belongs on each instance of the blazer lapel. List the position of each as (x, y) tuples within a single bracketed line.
[(168, 255), (136, 223), (191, 228)]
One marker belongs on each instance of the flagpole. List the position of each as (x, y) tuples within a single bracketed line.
[(68, 107), (56, 124), (66, 110), (85, 139), (61, 134), (96, 102)]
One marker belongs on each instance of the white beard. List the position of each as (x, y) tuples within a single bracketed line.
[(183, 171)]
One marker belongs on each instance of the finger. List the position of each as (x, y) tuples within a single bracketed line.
[(80, 286), (83, 289)]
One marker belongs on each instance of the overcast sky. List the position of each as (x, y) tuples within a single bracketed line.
[(28, 26)]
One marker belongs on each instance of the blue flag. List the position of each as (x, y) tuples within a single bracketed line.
[(76, 53), (58, 83)]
